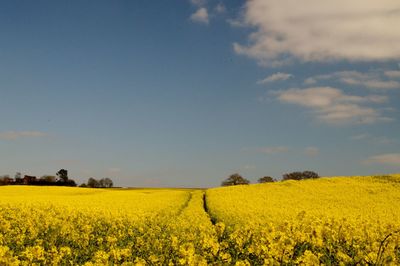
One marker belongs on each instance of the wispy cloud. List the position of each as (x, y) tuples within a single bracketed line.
[(200, 16), (237, 23), (333, 106), (384, 140), (275, 77), (360, 136), (392, 73), (392, 159), (272, 150), (220, 8), (13, 135), (321, 31), (371, 80), (381, 140), (311, 151)]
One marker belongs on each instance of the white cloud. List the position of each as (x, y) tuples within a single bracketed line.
[(220, 8), (392, 73), (371, 80), (236, 23), (387, 159), (333, 106), (381, 140), (311, 151), (310, 81), (200, 16), (315, 30), (273, 150), (379, 84), (13, 135), (275, 77)]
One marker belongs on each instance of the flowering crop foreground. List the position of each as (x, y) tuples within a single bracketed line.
[(329, 221)]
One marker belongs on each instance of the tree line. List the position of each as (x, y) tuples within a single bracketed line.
[(237, 179), (60, 179), (102, 183)]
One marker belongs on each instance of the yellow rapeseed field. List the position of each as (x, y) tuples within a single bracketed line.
[(330, 221)]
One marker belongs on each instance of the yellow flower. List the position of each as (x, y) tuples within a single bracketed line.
[(308, 258)]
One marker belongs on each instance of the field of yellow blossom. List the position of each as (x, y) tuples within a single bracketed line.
[(331, 221)]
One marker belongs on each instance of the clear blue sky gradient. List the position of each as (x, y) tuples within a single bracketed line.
[(136, 91)]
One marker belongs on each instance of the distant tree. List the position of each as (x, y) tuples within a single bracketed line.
[(102, 183), (17, 175), (5, 180), (69, 183), (234, 180), (266, 179), (29, 180), (93, 183), (18, 178), (292, 176), (310, 175), (63, 175), (83, 185), (107, 182), (300, 175), (48, 178)]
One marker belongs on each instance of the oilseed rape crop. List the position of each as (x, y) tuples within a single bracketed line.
[(76, 226), (51, 225), (329, 221), (332, 221)]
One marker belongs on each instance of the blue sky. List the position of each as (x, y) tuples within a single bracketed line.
[(185, 93)]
